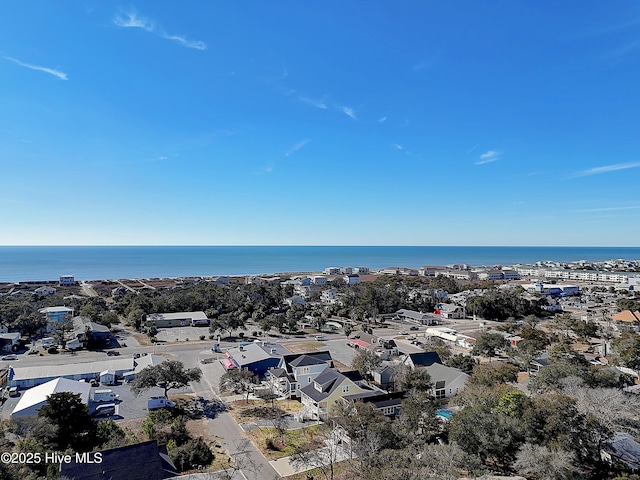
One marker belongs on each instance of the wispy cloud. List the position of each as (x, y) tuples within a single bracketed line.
[(182, 40), (348, 111), (606, 169), (382, 119), (398, 146), (473, 148), (132, 20), (488, 157), (607, 209), (50, 71), (297, 147), (266, 170), (314, 103)]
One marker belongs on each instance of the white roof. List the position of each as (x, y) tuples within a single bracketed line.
[(45, 371), (55, 309), (34, 398), (178, 316)]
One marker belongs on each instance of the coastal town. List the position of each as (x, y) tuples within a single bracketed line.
[(526, 371)]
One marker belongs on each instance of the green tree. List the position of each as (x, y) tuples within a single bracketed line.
[(513, 404), (490, 435), (488, 344), (493, 374), (168, 375), (70, 418), (238, 381), (109, 434), (366, 362), (417, 422), (414, 381), (193, 454)]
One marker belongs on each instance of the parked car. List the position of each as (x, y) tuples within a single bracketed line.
[(105, 410), (94, 382), (113, 353), (404, 332), (10, 357), (414, 328)]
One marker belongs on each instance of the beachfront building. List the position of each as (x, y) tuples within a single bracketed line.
[(352, 279), (67, 280), (177, 319)]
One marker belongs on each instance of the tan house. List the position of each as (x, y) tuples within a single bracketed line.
[(319, 398)]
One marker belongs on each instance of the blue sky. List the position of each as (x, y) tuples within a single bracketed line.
[(320, 123)]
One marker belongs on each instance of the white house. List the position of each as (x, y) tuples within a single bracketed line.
[(352, 279), (447, 381), (67, 280)]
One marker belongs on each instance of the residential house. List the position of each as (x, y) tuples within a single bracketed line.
[(385, 377), (539, 363), (99, 333), (352, 279), (57, 314), (297, 370), (387, 403), (450, 311), (447, 381), (140, 461), (331, 296), (257, 357), (319, 397), (422, 359), (45, 290), (67, 280)]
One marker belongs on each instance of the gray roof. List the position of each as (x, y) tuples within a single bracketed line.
[(256, 352), (379, 399), (424, 358), (441, 373), (329, 380), (306, 360)]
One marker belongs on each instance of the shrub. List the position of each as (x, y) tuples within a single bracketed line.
[(202, 337), (211, 337), (241, 335), (191, 455), (254, 333)]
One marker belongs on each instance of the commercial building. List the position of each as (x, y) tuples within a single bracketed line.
[(178, 319), (35, 398)]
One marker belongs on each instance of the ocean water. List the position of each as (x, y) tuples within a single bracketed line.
[(93, 263)]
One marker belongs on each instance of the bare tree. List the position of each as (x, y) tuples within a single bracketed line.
[(545, 463), (322, 451)]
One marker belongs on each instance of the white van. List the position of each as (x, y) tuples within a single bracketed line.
[(105, 410)]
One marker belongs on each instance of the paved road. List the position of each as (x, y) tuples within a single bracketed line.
[(255, 465)]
